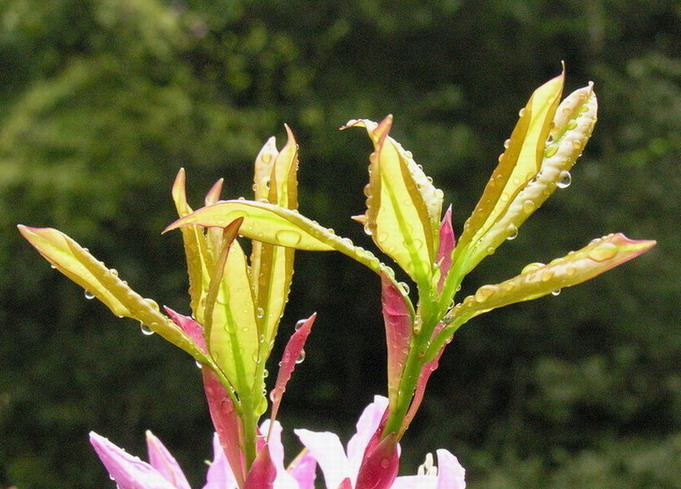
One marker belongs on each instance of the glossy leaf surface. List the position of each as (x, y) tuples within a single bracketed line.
[(538, 280), (79, 265), (403, 206), (519, 164)]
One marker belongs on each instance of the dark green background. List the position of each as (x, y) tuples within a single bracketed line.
[(101, 101)]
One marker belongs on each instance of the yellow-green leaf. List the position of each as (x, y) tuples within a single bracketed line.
[(79, 265), (572, 126), (272, 266), (283, 227), (230, 324), (538, 280), (403, 206), (262, 221), (518, 165), (195, 249)]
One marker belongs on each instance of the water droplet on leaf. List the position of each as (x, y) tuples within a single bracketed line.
[(532, 267), (287, 237), (603, 252), (564, 179), (512, 232), (556, 292), (259, 312), (146, 330), (301, 357), (485, 292), (89, 295)]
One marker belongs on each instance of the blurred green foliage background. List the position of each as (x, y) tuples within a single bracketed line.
[(101, 101)]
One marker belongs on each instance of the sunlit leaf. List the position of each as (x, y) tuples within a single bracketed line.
[(195, 248), (272, 266), (403, 206), (79, 265), (276, 225), (230, 315), (518, 165), (572, 126), (538, 280)]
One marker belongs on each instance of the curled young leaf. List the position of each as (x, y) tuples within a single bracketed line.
[(272, 266), (195, 248), (518, 165), (403, 206), (572, 126)]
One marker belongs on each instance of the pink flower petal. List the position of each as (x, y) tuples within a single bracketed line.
[(129, 472), (451, 475), (304, 470), (415, 482), (327, 450), (220, 475), (161, 459), (367, 425), (283, 480)]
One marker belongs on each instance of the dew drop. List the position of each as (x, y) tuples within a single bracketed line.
[(507, 143), (89, 295), (299, 324), (152, 303), (528, 206), (385, 463), (551, 150), (485, 292), (603, 252), (113, 272), (287, 237), (265, 374), (512, 231), (556, 292), (547, 275), (367, 230), (521, 112), (301, 357), (404, 287), (532, 267), (198, 364), (266, 158), (52, 266), (146, 330), (408, 154), (564, 179), (260, 313), (571, 125)]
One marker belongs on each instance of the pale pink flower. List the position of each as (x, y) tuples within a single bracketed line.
[(341, 467), (163, 471)]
